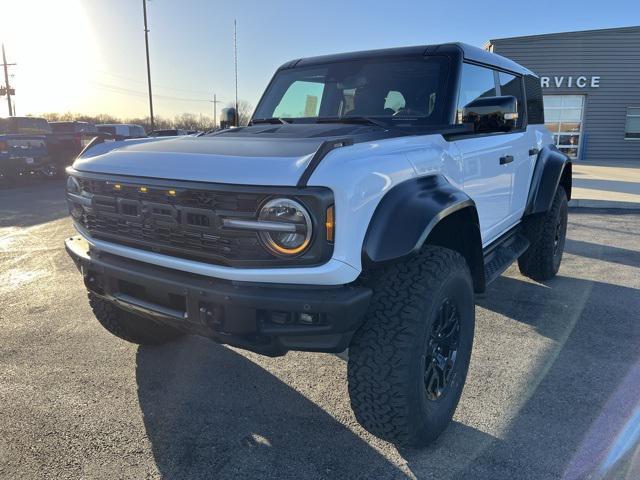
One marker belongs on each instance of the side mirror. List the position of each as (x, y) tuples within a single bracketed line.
[(228, 118), (492, 114)]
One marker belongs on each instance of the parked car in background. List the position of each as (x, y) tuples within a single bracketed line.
[(170, 132), (122, 131), (69, 139), (23, 148)]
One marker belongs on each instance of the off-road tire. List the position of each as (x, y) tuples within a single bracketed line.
[(388, 354), (547, 234), (130, 327)]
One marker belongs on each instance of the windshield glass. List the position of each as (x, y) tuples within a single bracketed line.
[(410, 89)]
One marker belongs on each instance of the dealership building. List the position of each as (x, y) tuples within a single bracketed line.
[(591, 86)]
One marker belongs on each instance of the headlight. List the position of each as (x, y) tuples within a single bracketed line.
[(73, 186), (286, 212)]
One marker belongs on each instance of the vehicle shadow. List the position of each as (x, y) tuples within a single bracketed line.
[(210, 412), (607, 253), (32, 203)]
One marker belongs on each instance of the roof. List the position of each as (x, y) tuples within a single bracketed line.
[(630, 29), (468, 52)]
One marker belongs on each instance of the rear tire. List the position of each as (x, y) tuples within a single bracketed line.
[(547, 234), (130, 327), (409, 361)]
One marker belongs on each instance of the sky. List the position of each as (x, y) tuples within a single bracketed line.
[(88, 56)]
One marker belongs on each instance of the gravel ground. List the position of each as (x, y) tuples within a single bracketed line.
[(553, 390)]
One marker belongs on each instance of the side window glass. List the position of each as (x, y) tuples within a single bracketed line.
[(476, 82), (512, 86)]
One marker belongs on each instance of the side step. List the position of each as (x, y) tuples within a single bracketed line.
[(502, 254)]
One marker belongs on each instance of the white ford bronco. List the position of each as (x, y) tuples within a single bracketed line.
[(372, 196)]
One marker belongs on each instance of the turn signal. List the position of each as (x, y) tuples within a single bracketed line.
[(330, 223)]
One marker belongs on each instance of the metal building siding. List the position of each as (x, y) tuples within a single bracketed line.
[(614, 56)]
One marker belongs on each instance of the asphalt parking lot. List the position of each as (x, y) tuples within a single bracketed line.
[(553, 389)]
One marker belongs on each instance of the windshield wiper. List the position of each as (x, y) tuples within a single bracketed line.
[(362, 120), (270, 120)]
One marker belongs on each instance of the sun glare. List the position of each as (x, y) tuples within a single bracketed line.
[(55, 49)]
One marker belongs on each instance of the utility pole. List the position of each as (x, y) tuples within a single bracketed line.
[(235, 61), (215, 110), (6, 80), (146, 44)]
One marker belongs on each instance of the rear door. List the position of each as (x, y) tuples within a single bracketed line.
[(487, 171)]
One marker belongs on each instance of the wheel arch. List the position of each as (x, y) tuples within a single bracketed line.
[(424, 211), (552, 168)]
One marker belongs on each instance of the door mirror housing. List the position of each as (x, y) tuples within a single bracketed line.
[(228, 118), (492, 114)]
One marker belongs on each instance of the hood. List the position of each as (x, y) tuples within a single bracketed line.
[(258, 155)]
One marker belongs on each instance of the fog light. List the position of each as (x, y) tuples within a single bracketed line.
[(308, 318), (280, 318)]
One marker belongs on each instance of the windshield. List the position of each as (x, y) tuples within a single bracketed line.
[(407, 89)]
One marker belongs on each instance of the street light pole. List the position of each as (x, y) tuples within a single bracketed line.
[(146, 43)]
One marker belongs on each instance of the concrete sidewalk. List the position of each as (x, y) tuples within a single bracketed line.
[(612, 185)]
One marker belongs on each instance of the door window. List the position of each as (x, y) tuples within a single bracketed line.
[(476, 82), (511, 85), (563, 118)]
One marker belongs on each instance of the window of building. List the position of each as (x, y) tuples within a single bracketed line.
[(632, 126), (563, 118)]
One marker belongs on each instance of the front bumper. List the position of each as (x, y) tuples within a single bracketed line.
[(266, 318)]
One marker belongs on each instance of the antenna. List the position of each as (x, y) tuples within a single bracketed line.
[(235, 60)]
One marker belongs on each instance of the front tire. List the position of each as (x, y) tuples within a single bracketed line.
[(547, 234), (131, 327), (409, 361)]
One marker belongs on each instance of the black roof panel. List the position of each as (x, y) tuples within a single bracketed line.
[(469, 52)]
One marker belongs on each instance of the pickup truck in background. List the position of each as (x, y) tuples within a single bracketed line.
[(23, 148), (122, 131), (68, 139)]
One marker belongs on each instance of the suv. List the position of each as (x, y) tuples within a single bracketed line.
[(371, 198)]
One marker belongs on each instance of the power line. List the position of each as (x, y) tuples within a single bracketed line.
[(155, 85), (140, 93)]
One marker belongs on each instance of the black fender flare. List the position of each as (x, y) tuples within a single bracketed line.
[(552, 167), (406, 215)]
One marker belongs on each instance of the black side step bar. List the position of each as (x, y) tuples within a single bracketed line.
[(502, 253)]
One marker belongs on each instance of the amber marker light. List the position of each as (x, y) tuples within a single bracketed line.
[(330, 223), (143, 189), (117, 186), (172, 193)]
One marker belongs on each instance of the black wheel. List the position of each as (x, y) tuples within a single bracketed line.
[(547, 235), (130, 327), (409, 360)]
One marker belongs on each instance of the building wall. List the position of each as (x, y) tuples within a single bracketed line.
[(613, 55)]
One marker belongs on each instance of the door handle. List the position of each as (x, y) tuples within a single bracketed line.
[(533, 151), (506, 159)]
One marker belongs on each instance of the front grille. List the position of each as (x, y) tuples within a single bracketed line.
[(184, 222)]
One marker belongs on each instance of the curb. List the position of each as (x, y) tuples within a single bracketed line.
[(603, 204)]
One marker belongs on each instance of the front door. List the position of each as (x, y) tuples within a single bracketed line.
[(488, 168)]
